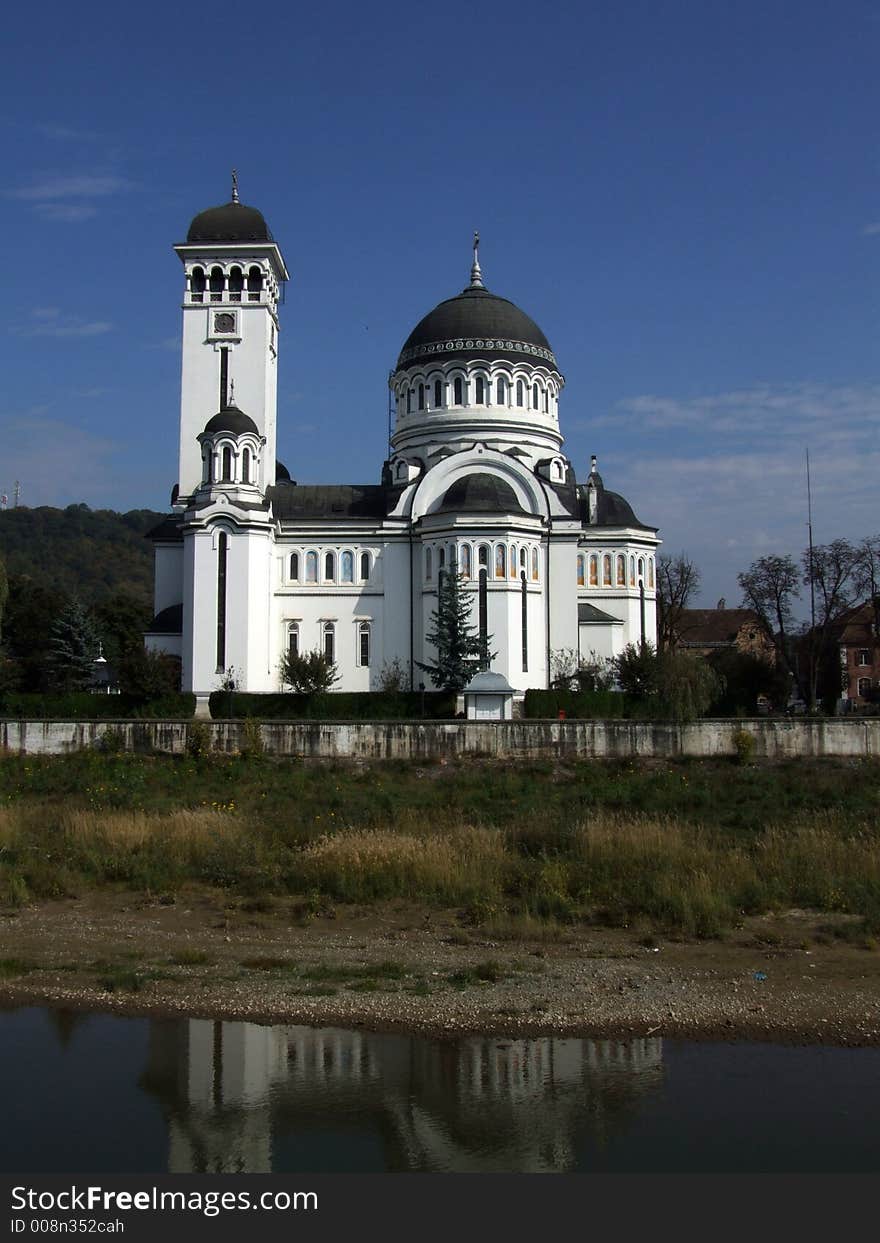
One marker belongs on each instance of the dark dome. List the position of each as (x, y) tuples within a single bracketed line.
[(473, 324), (233, 222), (480, 493), (231, 419), (281, 472)]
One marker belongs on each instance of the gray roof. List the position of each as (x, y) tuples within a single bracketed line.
[(232, 222), (488, 683), (332, 500), (480, 492), (476, 324), (231, 419), (169, 621), (589, 615)]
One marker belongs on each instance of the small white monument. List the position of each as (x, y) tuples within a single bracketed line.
[(488, 697)]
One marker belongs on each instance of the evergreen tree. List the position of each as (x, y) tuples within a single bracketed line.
[(460, 651), (73, 649)]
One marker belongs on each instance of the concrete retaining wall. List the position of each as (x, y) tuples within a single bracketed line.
[(774, 739)]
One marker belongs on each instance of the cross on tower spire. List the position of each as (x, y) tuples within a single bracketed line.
[(476, 274), (234, 186)]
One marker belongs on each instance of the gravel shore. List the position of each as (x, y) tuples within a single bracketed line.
[(402, 968)]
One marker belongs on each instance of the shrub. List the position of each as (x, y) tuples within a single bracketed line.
[(744, 745), (250, 742), (198, 740)]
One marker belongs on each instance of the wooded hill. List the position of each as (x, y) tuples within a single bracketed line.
[(91, 554)]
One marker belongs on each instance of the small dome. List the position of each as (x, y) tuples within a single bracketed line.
[(476, 324), (480, 493), (282, 474), (231, 419), (233, 222)]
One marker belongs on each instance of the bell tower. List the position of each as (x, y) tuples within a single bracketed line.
[(234, 276)]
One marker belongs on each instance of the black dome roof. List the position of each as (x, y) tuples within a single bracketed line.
[(233, 222), (480, 493), (231, 419), (473, 324)]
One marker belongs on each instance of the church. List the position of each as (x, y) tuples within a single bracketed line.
[(251, 564)]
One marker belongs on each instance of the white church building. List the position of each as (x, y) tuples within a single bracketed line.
[(250, 563)]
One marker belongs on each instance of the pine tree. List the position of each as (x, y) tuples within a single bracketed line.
[(73, 649), (460, 651)]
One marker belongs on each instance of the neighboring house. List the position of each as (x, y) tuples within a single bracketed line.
[(251, 564), (860, 653), (704, 631)]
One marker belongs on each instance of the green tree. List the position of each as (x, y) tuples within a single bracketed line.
[(686, 686), (460, 651), (73, 649), (308, 673), (637, 670), (149, 675), (4, 594)]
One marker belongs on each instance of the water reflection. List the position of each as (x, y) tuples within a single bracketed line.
[(233, 1094)]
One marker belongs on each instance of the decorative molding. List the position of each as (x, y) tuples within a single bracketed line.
[(434, 348)]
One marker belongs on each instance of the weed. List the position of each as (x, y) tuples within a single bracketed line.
[(190, 957), (11, 967), (198, 739)]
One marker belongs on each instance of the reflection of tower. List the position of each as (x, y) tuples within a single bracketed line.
[(215, 1080), (231, 1089)]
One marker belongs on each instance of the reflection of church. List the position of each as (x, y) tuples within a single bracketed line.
[(251, 564), (236, 1095)]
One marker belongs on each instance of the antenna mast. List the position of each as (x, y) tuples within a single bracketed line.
[(812, 586)]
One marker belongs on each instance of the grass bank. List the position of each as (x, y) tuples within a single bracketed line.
[(688, 847)]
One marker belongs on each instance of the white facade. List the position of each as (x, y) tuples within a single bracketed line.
[(250, 563)]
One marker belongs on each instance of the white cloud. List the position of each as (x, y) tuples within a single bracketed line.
[(48, 321), (69, 213), (56, 462), (723, 476), (82, 186), (870, 229)]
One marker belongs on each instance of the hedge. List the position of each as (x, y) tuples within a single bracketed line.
[(577, 705), (333, 705), (82, 706)]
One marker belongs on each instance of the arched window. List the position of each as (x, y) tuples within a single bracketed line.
[(365, 566), (294, 567), (246, 466), (519, 392), (207, 466), (594, 570), (581, 576), (197, 284), (311, 567), (364, 645), (481, 390), (293, 639), (222, 554), (421, 396), (650, 571), (465, 563), (429, 564), (621, 570), (512, 561), (409, 401), (500, 392), (457, 391), (500, 561), (632, 571), (226, 465), (329, 641), (441, 558), (523, 560), (236, 284), (346, 567), (606, 570), (254, 283), (546, 399), (641, 570), (216, 284), (438, 394), (329, 567), (534, 397), (483, 555), (534, 565)]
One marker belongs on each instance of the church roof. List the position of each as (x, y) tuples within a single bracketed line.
[(612, 510), (231, 222), (480, 492), (476, 324), (168, 621), (231, 419), (715, 627), (589, 615), (332, 500)]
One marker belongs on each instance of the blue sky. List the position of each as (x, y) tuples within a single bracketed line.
[(684, 195)]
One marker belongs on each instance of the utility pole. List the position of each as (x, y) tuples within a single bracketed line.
[(16, 495), (812, 648)]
